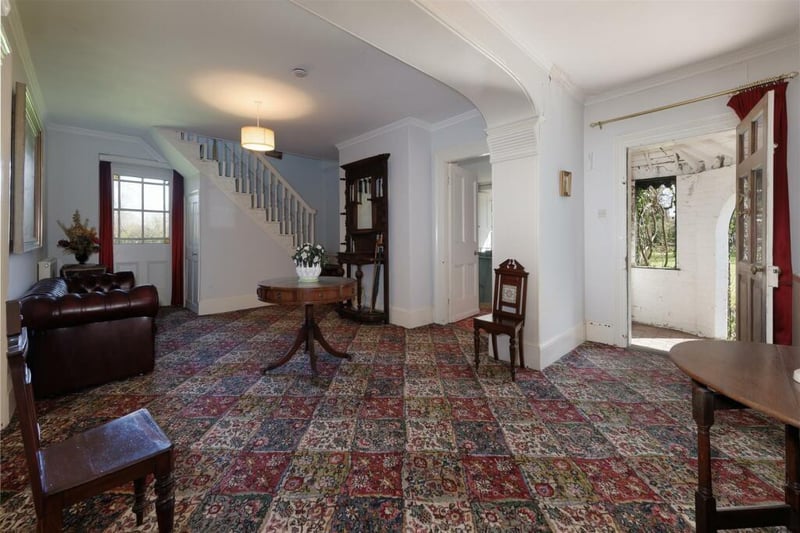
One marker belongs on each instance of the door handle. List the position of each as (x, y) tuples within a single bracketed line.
[(755, 269)]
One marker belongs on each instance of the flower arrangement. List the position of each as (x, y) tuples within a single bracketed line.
[(308, 255), (82, 240)]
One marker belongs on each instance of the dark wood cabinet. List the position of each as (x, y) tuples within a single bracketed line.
[(366, 241)]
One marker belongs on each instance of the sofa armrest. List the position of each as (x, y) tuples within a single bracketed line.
[(47, 312)]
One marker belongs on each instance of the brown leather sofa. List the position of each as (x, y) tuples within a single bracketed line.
[(88, 330)]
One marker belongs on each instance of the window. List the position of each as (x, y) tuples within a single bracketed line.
[(656, 235), (140, 210)]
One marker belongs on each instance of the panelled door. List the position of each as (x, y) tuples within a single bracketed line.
[(463, 243), (191, 252), (754, 190)]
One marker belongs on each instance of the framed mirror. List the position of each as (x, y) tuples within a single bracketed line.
[(364, 204), (26, 172)]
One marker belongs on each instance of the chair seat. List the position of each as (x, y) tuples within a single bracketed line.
[(102, 451), (504, 322)]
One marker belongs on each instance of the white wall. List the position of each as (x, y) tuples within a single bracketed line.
[(21, 267), (605, 200), (232, 261), (560, 254), (410, 232), (72, 161), (686, 298)]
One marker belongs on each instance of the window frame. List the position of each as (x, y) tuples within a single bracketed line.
[(144, 176)]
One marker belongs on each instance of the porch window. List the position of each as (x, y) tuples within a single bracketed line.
[(140, 210), (655, 224)]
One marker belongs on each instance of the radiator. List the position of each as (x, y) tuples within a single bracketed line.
[(47, 268)]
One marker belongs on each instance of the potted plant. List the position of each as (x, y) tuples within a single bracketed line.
[(308, 259), (82, 239)]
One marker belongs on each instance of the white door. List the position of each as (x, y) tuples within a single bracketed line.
[(191, 252), (463, 243), (755, 274), (141, 211)]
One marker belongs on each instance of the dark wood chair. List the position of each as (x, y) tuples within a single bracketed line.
[(94, 461), (508, 312)]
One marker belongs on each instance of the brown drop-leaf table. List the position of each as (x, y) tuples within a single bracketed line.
[(736, 375)]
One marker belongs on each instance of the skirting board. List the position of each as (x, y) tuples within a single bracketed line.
[(602, 333), (560, 345), (539, 357), (410, 318), (224, 305)]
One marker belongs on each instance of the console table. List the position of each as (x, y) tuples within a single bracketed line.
[(291, 291), (737, 375)]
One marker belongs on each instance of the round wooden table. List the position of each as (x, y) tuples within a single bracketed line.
[(291, 291), (736, 375)]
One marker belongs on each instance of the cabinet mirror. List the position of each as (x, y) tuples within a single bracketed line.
[(361, 195)]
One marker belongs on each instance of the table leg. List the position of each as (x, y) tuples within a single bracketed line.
[(307, 333), (302, 336), (705, 504)]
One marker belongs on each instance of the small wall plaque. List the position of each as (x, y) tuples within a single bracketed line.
[(565, 183)]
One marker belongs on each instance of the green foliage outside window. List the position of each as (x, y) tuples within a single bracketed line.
[(656, 235)]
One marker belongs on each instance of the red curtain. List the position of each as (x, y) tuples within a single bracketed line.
[(742, 103), (177, 239), (106, 231)]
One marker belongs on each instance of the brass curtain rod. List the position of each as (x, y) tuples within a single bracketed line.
[(741, 88)]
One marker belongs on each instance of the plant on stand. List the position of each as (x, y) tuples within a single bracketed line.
[(309, 259), (82, 239)]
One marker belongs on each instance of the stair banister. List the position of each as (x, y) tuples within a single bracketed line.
[(254, 175)]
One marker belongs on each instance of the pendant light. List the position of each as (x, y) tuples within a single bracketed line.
[(257, 138)]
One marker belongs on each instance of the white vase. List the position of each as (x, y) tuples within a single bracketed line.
[(308, 274)]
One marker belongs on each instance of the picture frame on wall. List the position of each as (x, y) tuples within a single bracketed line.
[(565, 183), (26, 174)]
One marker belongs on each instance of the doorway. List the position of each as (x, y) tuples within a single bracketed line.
[(470, 241), (681, 196)]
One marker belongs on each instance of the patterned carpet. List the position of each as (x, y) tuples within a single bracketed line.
[(406, 436)]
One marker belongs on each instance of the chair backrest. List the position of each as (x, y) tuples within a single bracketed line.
[(26, 407), (510, 290)]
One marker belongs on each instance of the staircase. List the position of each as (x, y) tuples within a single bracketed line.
[(252, 182)]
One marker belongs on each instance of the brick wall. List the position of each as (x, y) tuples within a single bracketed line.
[(693, 297)]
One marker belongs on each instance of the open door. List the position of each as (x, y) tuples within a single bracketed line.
[(463, 243), (755, 274)]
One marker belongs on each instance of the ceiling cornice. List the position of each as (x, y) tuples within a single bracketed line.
[(703, 67), (458, 119), (21, 48), (388, 128)]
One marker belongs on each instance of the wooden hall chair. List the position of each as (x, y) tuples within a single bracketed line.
[(92, 462), (508, 312)]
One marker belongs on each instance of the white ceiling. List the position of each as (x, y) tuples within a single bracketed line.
[(127, 65), (603, 45)]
